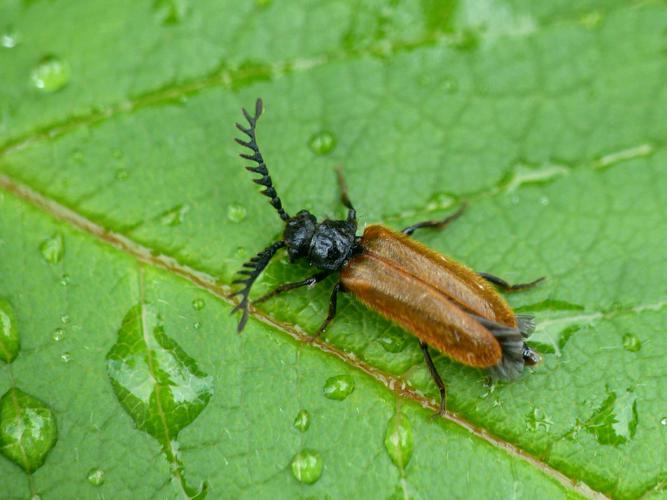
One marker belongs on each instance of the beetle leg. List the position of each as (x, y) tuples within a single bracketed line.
[(345, 199), (435, 376), (435, 224), (506, 287), (332, 308), (314, 279), (250, 272)]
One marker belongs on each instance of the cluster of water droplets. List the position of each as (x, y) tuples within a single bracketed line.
[(28, 429)]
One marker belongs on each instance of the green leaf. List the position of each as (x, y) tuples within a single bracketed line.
[(122, 198)]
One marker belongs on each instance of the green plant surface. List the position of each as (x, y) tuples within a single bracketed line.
[(125, 213)]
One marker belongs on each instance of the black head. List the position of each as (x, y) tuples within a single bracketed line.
[(326, 245)]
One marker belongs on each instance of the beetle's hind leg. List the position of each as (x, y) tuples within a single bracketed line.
[(435, 224), (435, 376), (506, 287), (286, 287)]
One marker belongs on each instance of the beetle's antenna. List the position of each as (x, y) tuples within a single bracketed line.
[(252, 269), (256, 156)]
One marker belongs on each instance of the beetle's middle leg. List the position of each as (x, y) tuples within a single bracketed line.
[(505, 286), (435, 376), (435, 224), (286, 287)]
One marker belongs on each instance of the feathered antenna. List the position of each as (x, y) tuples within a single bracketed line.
[(250, 272), (256, 156)]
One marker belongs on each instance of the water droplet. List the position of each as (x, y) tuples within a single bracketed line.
[(64, 319), (65, 279), (198, 304), (240, 253), (591, 20), (663, 421), (155, 381), (398, 440), (122, 174), (302, 420), (9, 38), (322, 142), (51, 74), (392, 341), (66, 357), (615, 421), (197, 325), (27, 429), (9, 335), (631, 342), (58, 334), (117, 153), (171, 11), (538, 421), (440, 201), (236, 213), (35, 496), (544, 200), (338, 387), (96, 477), (53, 248), (450, 85), (78, 157), (174, 216), (307, 466)]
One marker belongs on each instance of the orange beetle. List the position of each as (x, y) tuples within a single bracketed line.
[(446, 305)]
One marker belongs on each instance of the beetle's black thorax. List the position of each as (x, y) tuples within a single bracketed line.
[(326, 245)]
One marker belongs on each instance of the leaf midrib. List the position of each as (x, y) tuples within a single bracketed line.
[(207, 282)]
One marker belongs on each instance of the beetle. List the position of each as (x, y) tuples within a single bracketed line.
[(446, 305)]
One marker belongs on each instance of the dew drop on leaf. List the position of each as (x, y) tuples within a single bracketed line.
[(65, 279), (50, 74), (198, 304), (157, 383), (122, 174), (27, 429), (392, 341), (9, 335), (338, 387), (64, 319), (9, 38), (398, 440), (450, 85), (96, 477), (66, 357), (53, 248), (538, 420), (197, 325), (631, 342), (615, 421), (175, 216), (171, 11), (322, 142), (302, 420), (307, 466), (236, 213), (663, 421), (58, 334)]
